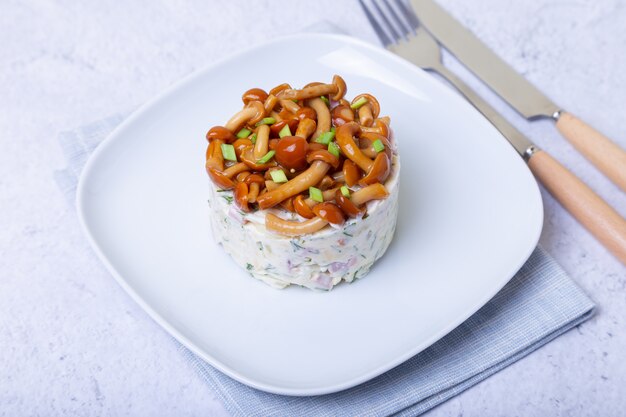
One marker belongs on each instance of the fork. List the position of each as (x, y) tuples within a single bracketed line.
[(412, 42), (405, 37)]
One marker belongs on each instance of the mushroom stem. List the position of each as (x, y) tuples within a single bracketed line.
[(289, 105), (306, 179), (293, 228), (241, 196), (241, 177), (302, 208), (381, 127), (371, 192), (240, 118), (276, 116), (270, 103), (214, 157), (271, 185), (262, 141), (233, 170), (253, 193), (328, 195), (369, 110), (308, 92), (323, 116), (252, 113), (365, 115), (305, 128), (220, 179), (338, 176), (346, 142)]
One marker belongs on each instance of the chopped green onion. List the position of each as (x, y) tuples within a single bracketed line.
[(294, 100), (316, 194), (253, 139), (243, 133), (325, 137), (357, 104), (278, 175), (266, 121), (266, 158), (228, 151), (333, 148), (345, 191), (285, 131), (333, 129), (378, 145), (325, 100)]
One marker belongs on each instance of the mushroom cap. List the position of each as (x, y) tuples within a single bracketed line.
[(326, 183), (347, 205), (341, 87), (302, 208), (254, 178), (279, 88), (345, 140), (375, 191), (371, 100), (344, 102), (313, 84), (241, 196), (329, 212), (254, 94), (291, 152), (323, 155), (214, 157), (371, 137), (260, 111), (240, 144), (278, 126), (351, 173), (341, 115), (241, 177), (220, 179), (316, 146), (382, 126), (379, 172), (306, 113), (247, 157), (221, 133)]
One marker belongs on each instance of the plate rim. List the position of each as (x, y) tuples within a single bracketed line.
[(185, 341)]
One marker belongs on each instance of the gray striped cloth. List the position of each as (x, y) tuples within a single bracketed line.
[(540, 303)]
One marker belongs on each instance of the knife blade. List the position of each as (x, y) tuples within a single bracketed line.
[(500, 76), (524, 97)]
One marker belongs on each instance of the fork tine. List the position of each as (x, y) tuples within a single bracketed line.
[(401, 22), (408, 13), (394, 32), (384, 38)]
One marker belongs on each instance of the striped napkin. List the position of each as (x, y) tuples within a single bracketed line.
[(540, 303)]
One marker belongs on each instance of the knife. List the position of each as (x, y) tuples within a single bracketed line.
[(415, 44), (524, 97)]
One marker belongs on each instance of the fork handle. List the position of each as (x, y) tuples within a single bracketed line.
[(582, 202), (597, 148)]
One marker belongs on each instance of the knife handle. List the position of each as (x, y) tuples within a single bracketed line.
[(582, 202), (597, 148)]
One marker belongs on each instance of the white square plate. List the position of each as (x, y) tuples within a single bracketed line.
[(470, 216)]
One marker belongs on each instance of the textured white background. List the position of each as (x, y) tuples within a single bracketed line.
[(73, 343)]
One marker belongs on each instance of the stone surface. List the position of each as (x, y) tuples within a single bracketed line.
[(73, 343)]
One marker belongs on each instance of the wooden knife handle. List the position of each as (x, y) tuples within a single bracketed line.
[(582, 202), (597, 148)]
